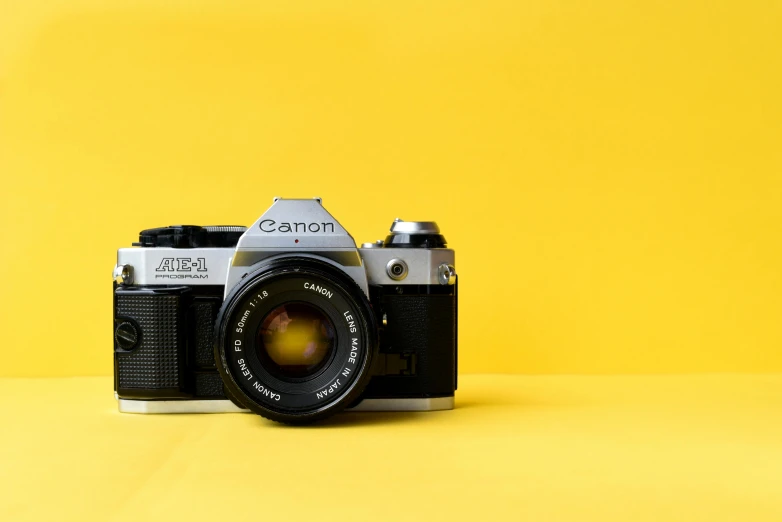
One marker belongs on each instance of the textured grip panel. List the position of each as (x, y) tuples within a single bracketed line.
[(202, 325), (156, 362), (209, 384), (423, 325)]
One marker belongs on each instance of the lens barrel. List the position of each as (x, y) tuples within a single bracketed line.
[(295, 340)]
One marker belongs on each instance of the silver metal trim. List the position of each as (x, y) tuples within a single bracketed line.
[(299, 223), (414, 227), (301, 227), (149, 270), (423, 264), (447, 274), (123, 274), (226, 406), (225, 228), (344, 257), (185, 406)]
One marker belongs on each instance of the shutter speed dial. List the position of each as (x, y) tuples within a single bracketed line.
[(414, 234)]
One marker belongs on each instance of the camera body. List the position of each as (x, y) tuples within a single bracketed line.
[(286, 318)]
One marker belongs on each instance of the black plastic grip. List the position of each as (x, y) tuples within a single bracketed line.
[(172, 356), (155, 366), (202, 319)]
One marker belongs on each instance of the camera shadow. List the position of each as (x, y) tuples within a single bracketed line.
[(363, 419)]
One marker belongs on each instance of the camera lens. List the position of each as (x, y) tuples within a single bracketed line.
[(294, 340)]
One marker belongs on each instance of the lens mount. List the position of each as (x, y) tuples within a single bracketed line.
[(295, 340)]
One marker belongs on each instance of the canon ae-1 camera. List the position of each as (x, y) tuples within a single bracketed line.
[(287, 318)]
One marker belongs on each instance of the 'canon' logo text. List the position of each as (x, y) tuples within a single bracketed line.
[(269, 225)]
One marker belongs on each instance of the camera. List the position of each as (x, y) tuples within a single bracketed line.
[(286, 318)]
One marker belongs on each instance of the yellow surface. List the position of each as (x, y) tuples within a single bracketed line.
[(609, 172), (537, 448)]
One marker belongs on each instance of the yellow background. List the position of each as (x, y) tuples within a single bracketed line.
[(609, 173), (542, 448)]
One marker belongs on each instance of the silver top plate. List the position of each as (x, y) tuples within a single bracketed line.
[(423, 264), (176, 266), (299, 223)]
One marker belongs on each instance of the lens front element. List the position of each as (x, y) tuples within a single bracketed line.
[(295, 340)]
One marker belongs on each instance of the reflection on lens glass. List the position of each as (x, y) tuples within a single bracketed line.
[(295, 339)]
